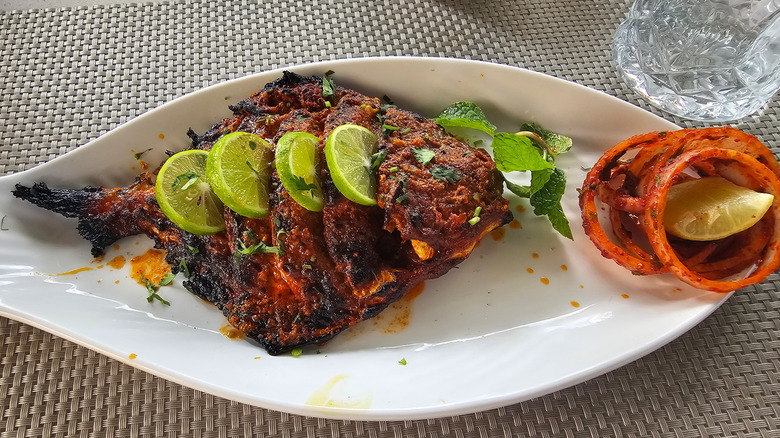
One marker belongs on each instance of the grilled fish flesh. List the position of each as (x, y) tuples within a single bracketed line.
[(338, 266)]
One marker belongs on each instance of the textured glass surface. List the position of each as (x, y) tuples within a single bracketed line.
[(703, 60)]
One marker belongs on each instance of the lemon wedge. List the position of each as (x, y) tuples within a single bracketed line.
[(712, 208)]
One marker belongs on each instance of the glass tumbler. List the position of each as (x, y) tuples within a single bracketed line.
[(707, 60)]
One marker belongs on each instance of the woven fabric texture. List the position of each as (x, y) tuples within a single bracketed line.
[(69, 75)]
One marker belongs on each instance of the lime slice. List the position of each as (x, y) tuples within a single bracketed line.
[(348, 151), (239, 167), (712, 208), (296, 163), (185, 195)]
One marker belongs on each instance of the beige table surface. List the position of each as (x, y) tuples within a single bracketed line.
[(60, 65)]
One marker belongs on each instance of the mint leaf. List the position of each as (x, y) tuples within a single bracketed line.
[(423, 156), (465, 115), (539, 179), (517, 189), (514, 152), (558, 143), (547, 202)]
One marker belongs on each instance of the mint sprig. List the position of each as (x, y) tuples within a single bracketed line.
[(532, 149)]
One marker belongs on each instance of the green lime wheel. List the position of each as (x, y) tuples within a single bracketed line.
[(348, 152), (185, 196), (239, 168)]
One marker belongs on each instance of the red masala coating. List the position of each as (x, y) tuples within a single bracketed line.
[(319, 272)]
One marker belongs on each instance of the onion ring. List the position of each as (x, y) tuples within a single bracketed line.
[(636, 188)]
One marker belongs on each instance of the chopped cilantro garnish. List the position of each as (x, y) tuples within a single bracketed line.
[(300, 184), (423, 155), (445, 174), (188, 178), (152, 289), (328, 87), (377, 158), (260, 247)]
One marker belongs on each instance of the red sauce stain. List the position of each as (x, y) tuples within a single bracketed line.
[(564, 268), (515, 224), (575, 304), (231, 332), (535, 255), (400, 312), (498, 233), (521, 208), (624, 295), (529, 270), (150, 265), (75, 271), (545, 280), (161, 136), (132, 356), (117, 262)]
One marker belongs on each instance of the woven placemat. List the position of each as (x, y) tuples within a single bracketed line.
[(70, 75)]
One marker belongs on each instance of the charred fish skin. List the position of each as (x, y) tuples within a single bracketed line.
[(320, 272)]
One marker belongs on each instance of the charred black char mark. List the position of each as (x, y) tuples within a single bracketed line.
[(67, 202), (73, 204)]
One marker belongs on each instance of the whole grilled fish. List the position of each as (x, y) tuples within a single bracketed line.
[(339, 266)]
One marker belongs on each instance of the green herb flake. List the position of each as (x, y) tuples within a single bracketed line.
[(423, 155), (328, 87), (300, 184), (168, 279), (187, 178), (445, 174), (402, 361), (138, 155), (296, 352), (377, 159)]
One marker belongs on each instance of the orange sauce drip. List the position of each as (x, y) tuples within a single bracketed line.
[(231, 332), (117, 262), (530, 271), (161, 136), (521, 208), (75, 271), (116, 247), (515, 224), (545, 280), (624, 295), (498, 233), (132, 356), (535, 255), (99, 258), (150, 265), (575, 304), (400, 312), (564, 267)]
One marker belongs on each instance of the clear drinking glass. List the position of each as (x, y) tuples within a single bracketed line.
[(708, 60)]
